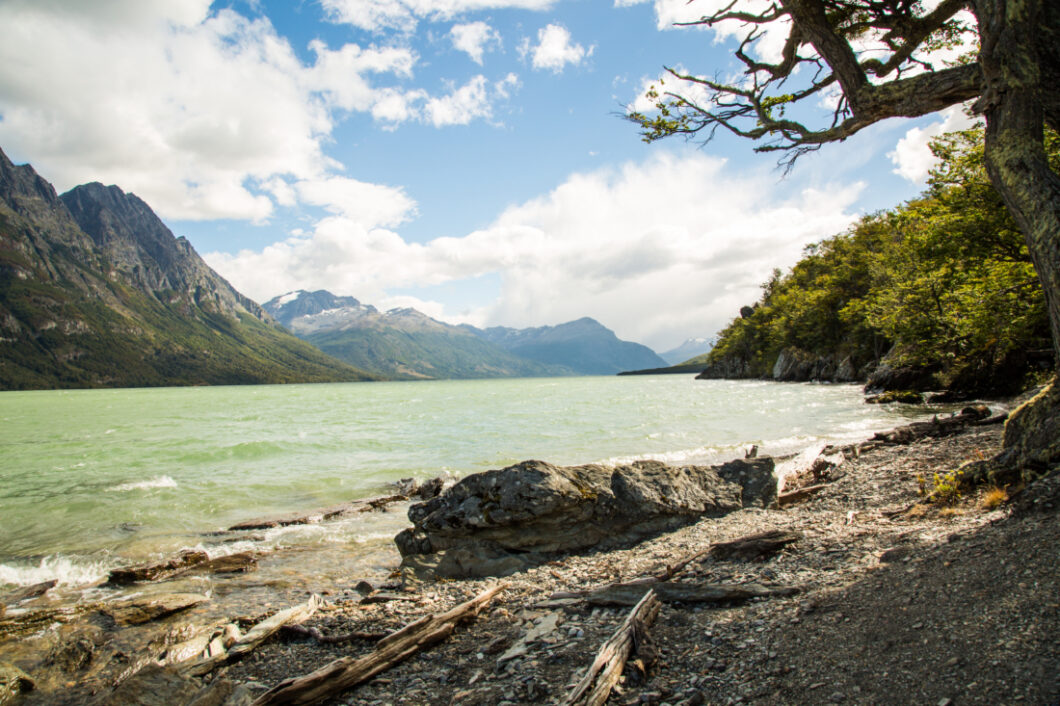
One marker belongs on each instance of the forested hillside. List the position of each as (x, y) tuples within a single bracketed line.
[(938, 293)]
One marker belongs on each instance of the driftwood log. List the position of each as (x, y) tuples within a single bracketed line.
[(674, 592), (232, 646), (315, 634), (793, 496), (750, 547), (265, 629), (755, 546), (347, 672), (603, 674)]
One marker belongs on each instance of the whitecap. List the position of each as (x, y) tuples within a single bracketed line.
[(156, 482), (65, 570)]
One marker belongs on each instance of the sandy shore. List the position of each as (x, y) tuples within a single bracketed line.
[(956, 606)]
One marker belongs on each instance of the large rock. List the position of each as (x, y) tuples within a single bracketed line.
[(887, 377), (499, 522), (727, 368)]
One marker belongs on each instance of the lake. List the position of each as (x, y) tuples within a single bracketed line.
[(95, 479)]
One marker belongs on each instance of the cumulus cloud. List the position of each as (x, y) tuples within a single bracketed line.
[(474, 39), (554, 49), (621, 245), (912, 157), (371, 205), (404, 15), (204, 115)]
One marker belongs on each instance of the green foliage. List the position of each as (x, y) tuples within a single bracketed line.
[(944, 281), (944, 489)]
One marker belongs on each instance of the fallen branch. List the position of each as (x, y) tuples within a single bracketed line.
[(314, 633), (603, 674), (264, 630), (671, 592), (347, 672), (749, 547), (250, 640), (794, 496), (754, 546)]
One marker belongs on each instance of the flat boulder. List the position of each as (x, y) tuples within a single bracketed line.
[(498, 522), (143, 609)]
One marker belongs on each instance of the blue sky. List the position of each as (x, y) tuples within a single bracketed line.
[(466, 157)]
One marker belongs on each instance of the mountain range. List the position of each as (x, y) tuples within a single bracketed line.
[(691, 348), (407, 344), (584, 345), (95, 291)]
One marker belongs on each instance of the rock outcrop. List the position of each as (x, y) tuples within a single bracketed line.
[(502, 521), (791, 365)]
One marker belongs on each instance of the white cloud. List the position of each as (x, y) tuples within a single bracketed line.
[(621, 245), (912, 155), (474, 39), (460, 107), (472, 101), (554, 49), (186, 115), (202, 115), (403, 15), (340, 75), (372, 205)]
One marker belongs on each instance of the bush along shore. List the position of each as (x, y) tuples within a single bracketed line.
[(871, 576)]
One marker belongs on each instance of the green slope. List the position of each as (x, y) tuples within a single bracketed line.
[(425, 354), (70, 317)]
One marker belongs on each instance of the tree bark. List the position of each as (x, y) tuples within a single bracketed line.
[(1019, 59), (604, 673), (1014, 103)]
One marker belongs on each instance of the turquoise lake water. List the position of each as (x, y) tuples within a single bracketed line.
[(92, 479)]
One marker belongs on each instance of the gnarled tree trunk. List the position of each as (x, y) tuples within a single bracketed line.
[(1020, 61)]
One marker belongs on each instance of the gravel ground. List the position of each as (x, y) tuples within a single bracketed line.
[(898, 603)]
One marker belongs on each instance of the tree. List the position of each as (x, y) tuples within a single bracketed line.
[(872, 54)]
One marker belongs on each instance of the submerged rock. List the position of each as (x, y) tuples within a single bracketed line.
[(157, 572), (143, 609), (13, 682), (502, 521)]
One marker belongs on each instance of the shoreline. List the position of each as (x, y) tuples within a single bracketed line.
[(846, 537)]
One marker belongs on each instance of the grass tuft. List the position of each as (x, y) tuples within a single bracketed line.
[(993, 498)]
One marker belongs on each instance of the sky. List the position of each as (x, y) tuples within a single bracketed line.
[(468, 158)]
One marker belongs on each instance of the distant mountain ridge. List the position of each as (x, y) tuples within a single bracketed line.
[(96, 291), (691, 348), (407, 343), (585, 345), (400, 343)]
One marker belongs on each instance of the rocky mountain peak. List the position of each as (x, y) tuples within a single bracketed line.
[(143, 252), (21, 182), (289, 307)]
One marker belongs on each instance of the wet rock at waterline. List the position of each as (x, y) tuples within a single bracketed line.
[(13, 682), (499, 522), (142, 609)]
